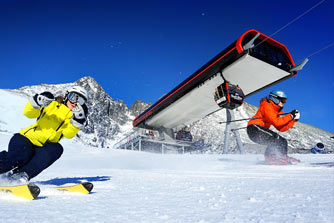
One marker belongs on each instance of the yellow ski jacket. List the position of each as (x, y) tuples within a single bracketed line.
[(53, 122)]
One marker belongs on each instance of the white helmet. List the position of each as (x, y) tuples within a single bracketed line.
[(79, 90)]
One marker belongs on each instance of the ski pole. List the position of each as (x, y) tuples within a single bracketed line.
[(246, 119), (238, 120), (238, 129)]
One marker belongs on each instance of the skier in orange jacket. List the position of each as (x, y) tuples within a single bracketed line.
[(270, 113)]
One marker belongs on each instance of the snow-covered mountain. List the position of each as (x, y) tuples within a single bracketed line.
[(110, 120)]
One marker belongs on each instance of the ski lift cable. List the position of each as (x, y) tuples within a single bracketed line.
[(318, 51), (289, 23), (292, 21)]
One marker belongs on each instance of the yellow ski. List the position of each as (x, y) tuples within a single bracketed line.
[(84, 188), (27, 191)]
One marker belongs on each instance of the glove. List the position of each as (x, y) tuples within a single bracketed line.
[(42, 100), (79, 116), (295, 115)]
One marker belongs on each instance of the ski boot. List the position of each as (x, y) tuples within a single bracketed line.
[(292, 160), (18, 177), (276, 160)]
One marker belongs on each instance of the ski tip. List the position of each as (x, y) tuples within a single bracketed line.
[(88, 186), (34, 190)]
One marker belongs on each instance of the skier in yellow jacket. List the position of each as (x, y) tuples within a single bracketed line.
[(36, 147)]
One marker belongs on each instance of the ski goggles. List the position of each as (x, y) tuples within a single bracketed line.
[(76, 98), (283, 100)]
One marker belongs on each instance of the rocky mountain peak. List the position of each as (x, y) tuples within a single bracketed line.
[(139, 107), (90, 83)]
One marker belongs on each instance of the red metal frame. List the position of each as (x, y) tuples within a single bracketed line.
[(239, 49), (268, 39), (150, 111)]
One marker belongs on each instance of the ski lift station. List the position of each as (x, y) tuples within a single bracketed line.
[(251, 63)]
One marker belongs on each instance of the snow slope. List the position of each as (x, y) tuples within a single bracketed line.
[(11, 110), (144, 187)]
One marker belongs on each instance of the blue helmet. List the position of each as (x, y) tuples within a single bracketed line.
[(277, 97)]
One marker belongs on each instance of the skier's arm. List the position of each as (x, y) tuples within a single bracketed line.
[(291, 123), (76, 121), (69, 130), (277, 121), (79, 116), (36, 103), (287, 126), (30, 111)]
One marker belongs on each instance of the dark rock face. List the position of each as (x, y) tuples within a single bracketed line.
[(139, 107)]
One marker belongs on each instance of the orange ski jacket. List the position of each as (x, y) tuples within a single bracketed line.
[(268, 114)]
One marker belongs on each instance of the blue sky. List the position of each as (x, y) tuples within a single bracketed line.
[(143, 49)]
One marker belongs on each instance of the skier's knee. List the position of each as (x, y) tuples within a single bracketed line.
[(56, 150)]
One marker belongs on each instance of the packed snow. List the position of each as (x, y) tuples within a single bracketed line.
[(132, 186), (11, 110)]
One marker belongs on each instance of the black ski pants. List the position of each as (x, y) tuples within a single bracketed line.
[(23, 156), (276, 144)]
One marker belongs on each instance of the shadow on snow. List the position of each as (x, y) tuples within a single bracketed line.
[(74, 180)]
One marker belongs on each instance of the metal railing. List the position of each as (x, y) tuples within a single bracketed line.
[(143, 140)]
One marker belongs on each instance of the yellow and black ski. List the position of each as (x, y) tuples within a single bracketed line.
[(84, 188), (31, 191), (28, 191)]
